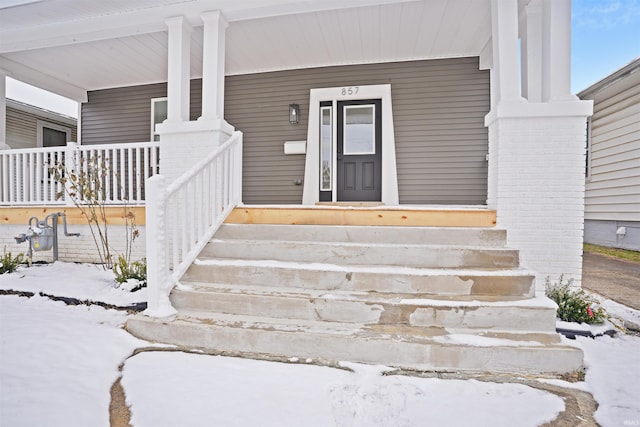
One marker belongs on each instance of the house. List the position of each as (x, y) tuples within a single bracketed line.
[(612, 195), (439, 113), (29, 126)]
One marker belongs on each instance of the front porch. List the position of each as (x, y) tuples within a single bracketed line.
[(476, 112), (417, 287)]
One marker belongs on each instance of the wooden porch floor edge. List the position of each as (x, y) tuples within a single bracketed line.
[(312, 215), (363, 216), (20, 215)]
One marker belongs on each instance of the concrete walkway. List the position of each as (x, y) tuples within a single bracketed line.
[(613, 278)]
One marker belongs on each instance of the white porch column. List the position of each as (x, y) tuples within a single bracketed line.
[(531, 53), (213, 56), (183, 142), (556, 55), (178, 72), (3, 110), (504, 27)]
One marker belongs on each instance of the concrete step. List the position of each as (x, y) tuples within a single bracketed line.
[(454, 236), (370, 308), (509, 284), (412, 297), (392, 345), (408, 255)]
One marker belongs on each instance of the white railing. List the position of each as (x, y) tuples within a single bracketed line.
[(26, 177), (183, 216)]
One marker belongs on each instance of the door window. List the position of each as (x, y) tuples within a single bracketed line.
[(359, 129)]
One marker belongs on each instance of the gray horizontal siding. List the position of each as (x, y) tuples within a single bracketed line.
[(439, 108), (124, 114), (22, 128), (613, 187)]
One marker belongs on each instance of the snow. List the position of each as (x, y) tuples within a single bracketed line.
[(595, 329), (357, 269), (240, 392), (581, 385), (613, 371), (480, 341), (58, 363), (627, 314), (81, 281)]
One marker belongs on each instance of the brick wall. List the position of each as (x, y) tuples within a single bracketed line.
[(73, 249), (184, 144), (536, 184)]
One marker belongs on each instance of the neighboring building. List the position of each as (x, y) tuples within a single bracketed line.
[(612, 197), (29, 126)]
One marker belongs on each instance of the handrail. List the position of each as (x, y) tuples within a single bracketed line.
[(26, 179), (183, 216)]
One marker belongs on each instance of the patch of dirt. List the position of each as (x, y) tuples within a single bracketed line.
[(612, 278), (579, 407), (119, 413)]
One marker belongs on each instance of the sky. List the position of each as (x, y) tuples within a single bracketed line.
[(605, 37)]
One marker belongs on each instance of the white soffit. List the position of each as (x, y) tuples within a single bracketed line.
[(129, 47), (382, 33)]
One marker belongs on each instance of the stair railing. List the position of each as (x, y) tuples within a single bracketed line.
[(183, 216)]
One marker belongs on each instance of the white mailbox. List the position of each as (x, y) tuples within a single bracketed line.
[(295, 147)]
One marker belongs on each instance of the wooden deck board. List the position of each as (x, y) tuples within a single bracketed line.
[(21, 215), (434, 217), (330, 215)]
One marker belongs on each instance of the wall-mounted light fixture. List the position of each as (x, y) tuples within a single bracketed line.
[(294, 113)]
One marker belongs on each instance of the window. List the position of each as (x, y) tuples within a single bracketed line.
[(326, 148), (52, 135), (359, 129), (158, 115)]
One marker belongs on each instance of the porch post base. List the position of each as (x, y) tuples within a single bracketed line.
[(536, 184), (184, 144)]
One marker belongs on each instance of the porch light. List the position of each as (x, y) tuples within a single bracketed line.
[(294, 112)]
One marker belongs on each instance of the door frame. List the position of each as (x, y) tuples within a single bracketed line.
[(311, 193), (359, 159)]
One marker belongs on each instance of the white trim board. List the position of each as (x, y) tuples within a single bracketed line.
[(311, 195)]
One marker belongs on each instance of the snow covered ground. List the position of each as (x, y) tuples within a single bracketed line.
[(58, 362)]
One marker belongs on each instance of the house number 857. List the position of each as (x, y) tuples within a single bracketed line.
[(351, 90)]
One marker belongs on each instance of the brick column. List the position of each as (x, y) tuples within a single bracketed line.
[(539, 191)]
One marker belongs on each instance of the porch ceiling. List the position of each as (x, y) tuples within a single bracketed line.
[(71, 46)]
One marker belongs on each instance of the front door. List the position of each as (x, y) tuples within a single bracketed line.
[(359, 151), (350, 145)]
